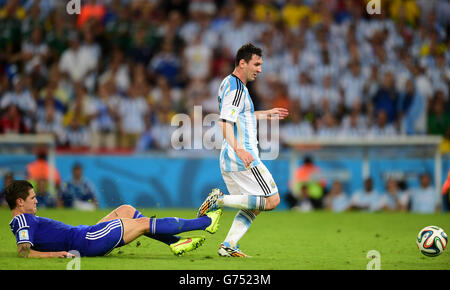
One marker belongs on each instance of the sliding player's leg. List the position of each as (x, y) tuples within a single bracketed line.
[(134, 228), (123, 211), (128, 211), (177, 244)]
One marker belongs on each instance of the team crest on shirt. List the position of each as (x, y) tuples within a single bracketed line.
[(23, 235), (272, 183)]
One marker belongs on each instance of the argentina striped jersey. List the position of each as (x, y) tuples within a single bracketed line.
[(236, 106)]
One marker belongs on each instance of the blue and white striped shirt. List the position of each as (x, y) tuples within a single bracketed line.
[(236, 106)]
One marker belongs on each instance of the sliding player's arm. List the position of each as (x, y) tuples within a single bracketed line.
[(275, 113), (24, 251), (228, 134)]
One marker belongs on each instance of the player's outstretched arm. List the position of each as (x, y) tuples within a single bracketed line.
[(24, 251), (275, 113)]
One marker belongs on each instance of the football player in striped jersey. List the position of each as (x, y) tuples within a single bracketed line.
[(250, 185)]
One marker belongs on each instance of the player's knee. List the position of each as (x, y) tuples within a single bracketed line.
[(125, 210), (272, 202)]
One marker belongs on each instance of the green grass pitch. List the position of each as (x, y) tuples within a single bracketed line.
[(278, 240)]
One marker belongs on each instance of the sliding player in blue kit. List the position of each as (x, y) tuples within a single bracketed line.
[(43, 237)]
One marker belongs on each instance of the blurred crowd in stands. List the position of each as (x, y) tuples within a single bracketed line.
[(113, 76), (310, 189)]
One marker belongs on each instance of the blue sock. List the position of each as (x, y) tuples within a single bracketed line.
[(166, 239), (137, 215), (173, 225)]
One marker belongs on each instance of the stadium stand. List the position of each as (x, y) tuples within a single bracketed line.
[(102, 79)]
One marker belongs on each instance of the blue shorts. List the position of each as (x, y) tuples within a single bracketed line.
[(102, 238)]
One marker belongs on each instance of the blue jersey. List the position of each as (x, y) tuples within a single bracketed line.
[(47, 235), (82, 190), (236, 106)]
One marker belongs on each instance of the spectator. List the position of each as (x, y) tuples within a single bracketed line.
[(407, 10), (50, 122), (197, 59), (12, 122), (162, 130), (382, 128), (354, 124), (141, 50), (438, 119), (328, 126), (89, 42), (393, 199), (78, 193), (236, 31), (295, 11), (51, 95), (58, 88), (326, 97), (336, 200), (297, 128), (78, 108), (41, 169), (102, 113), (132, 112), (423, 198), (424, 88), (43, 196), (35, 53), (386, 99), (146, 141), (365, 199), (167, 63), (92, 10), (309, 175), (301, 91), (22, 98), (352, 85), (303, 202), (77, 136), (439, 75), (411, 105), (117, 72), (11, 15), (78, 62)]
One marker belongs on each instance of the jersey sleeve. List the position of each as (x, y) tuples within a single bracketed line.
[(232, 103), (22, 228)]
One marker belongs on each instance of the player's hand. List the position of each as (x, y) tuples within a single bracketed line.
[(245, 156), (277, 113), (64, 254)]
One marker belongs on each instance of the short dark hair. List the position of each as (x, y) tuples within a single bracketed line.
[(17, 189), (246, 52)]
